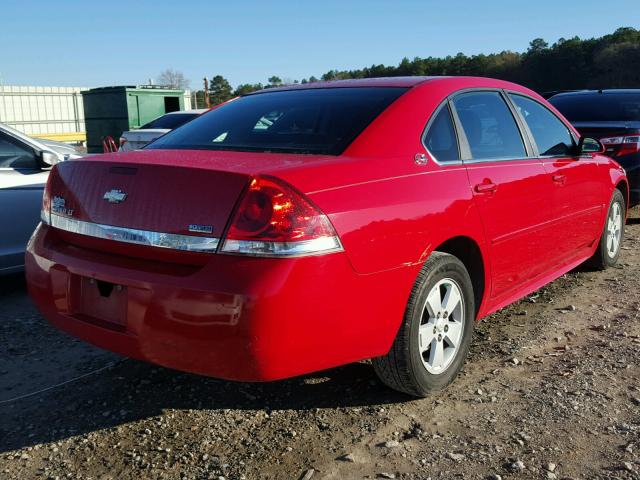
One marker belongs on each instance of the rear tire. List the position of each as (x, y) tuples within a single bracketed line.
[(608, 251), (434, 337)]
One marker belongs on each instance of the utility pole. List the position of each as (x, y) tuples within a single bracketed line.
[(207, 100)]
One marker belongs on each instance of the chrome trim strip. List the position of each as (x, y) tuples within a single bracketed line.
[(139, 237)]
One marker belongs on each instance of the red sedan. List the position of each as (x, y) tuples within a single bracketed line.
[(301, 228)]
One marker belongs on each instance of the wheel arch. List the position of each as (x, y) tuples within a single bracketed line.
[(468, 251), (623, 186)]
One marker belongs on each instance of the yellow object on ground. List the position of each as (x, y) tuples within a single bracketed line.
[(63, 137)]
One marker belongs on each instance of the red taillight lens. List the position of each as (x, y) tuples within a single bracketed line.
[(275, 220), (627, 145), (630, 145), (255, 215)]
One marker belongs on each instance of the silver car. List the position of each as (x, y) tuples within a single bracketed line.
[(138, 138), (24, 167)]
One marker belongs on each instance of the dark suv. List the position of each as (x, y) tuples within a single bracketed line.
[(613, 117)]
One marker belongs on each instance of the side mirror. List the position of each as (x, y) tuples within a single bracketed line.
[(49, 158), (590, 145)]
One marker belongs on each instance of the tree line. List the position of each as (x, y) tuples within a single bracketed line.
[(610, 61)]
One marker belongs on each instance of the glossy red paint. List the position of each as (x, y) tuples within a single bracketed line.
[(253, 319)]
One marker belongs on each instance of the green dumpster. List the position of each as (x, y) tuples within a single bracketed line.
[(109, 111)]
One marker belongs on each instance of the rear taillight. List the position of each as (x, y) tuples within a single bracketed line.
[(627, 144), (274, 220)]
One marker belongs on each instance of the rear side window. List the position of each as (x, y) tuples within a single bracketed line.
[(490, 128), (550, 134), (319, 121), (598, 107), (441, 139), (170, 121)]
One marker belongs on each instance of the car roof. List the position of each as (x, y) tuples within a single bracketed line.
[(609, 91), (196, 111), (457, 82), (405, 82)]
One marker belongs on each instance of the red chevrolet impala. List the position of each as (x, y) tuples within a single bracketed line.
[(300, 228)]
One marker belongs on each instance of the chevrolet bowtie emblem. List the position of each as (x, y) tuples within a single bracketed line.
[(115, 196)]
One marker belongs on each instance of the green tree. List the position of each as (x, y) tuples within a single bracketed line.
[(570, 63), (219, 90), (274, 81), (537, 45), (573, 63), (245, 88)]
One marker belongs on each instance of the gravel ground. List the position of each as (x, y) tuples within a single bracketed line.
[(551, 390)]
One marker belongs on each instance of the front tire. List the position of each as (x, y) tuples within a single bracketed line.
[(608, 251), (433, 340)]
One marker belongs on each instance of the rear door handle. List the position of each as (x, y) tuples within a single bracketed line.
[(486, 188), (561, 179)]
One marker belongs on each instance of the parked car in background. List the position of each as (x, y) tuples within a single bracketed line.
[(613, 117), (549, 94), (24, 167), (138, 138), (300, 228)]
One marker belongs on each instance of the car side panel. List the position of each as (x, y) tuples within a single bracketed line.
[(614, 176), (577, 194), (396, 223), (390, 223), (610, 175), (516, 219), (21, 200)]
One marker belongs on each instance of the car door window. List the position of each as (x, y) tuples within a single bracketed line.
[(13, 154), (440, 138), (552, 137), (491, 130)]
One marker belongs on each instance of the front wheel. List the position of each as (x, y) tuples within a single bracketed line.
[(433, 340), (608, 251)]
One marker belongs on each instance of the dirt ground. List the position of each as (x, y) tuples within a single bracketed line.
[(551, 390)]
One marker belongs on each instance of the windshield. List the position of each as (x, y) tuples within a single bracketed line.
[(170, 121), (319, 121), (599, 107)]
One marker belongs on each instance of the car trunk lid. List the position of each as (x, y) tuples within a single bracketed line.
[(168, 200)]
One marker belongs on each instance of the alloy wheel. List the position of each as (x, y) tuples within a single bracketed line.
[(614, 230), (442, 326)]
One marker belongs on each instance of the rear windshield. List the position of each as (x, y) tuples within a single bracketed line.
[(318, 121), (170, 121), (599, 107)]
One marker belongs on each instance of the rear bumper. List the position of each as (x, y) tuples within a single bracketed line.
[(238, 318)]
